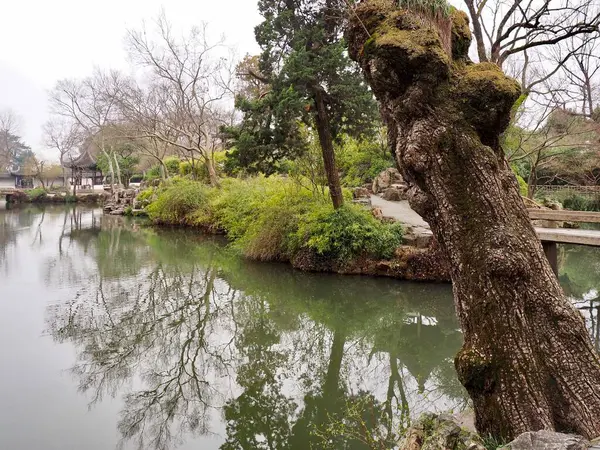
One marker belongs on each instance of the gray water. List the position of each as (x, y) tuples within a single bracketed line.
[(113, 333)]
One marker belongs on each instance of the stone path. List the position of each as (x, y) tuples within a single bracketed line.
[(418, 233), (399, 211)]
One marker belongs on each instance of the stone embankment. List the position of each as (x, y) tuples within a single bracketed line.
[(121, 202)]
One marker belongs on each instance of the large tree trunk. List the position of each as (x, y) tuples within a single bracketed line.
[(527, 361), (326, 142), (212, 173)]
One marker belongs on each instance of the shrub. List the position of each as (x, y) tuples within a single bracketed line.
[(172, 165), (36, 194), (523, 186), (177, 202), (153, 173), (268, 237), (577, 202), (361, 161), (145, 197), (347, 232), (199, 171)]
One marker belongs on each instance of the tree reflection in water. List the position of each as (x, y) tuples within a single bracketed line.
[(288, 360), (580, 278), (191, 337)]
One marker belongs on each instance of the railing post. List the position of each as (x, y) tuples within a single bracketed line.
[(551, 251)]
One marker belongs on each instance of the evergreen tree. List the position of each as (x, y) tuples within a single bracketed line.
[(311, 80), (13, 151)]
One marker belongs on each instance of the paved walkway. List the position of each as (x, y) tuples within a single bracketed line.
[(399, 211), (402, 212)]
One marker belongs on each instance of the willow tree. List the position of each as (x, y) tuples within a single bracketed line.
[(527, 361)]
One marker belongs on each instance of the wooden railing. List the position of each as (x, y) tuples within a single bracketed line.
[(581, 190), (551, 236)]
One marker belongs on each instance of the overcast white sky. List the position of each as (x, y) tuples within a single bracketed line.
[(43, 41)]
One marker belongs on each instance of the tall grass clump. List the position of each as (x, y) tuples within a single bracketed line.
[(260, 213), (178, 202), (36, 194)]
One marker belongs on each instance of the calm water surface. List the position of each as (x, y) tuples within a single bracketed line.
[(112, 334)]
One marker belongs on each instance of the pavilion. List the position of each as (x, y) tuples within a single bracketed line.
[(84, 171)]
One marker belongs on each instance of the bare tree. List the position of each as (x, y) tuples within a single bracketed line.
[(578, 85), (503, 28), (92, 105), (66, 137), (190, 81)]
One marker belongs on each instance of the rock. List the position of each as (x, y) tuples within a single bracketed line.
[(417, 237), (548, 440), (551, 204), (436, 432), (361, 192), (119, 201), (393, 194), (386, 179), (377, 213)]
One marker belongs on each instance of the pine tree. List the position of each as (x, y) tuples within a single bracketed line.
[(311, 80)]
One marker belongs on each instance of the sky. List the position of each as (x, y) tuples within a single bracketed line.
[(43, 41)]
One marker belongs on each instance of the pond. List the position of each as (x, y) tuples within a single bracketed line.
[(116, 334)]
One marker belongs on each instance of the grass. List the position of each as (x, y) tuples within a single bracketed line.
[(492, 443)]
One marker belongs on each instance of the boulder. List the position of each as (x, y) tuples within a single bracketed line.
[(548, 440), (377, 213), (393, 194), (361, 192), (435, 432), (386, 179)]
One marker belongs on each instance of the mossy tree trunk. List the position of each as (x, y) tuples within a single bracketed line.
[(527, 361)]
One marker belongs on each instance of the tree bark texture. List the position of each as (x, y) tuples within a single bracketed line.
[(527, 361), (326, 142)]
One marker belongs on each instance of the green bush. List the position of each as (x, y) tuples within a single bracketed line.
[(266, 235), (146, 196), (199, 171), (36, 194), (361, 161), (347, 232), (153, 173), (172, 165), (523, 186), (177, 202), (577, 202)]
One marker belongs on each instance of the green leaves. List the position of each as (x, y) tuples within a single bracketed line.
[(303, 52), (346, 233)]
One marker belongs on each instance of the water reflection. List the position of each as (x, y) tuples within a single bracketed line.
[(204, 348), (288, 360), (580, 278)]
